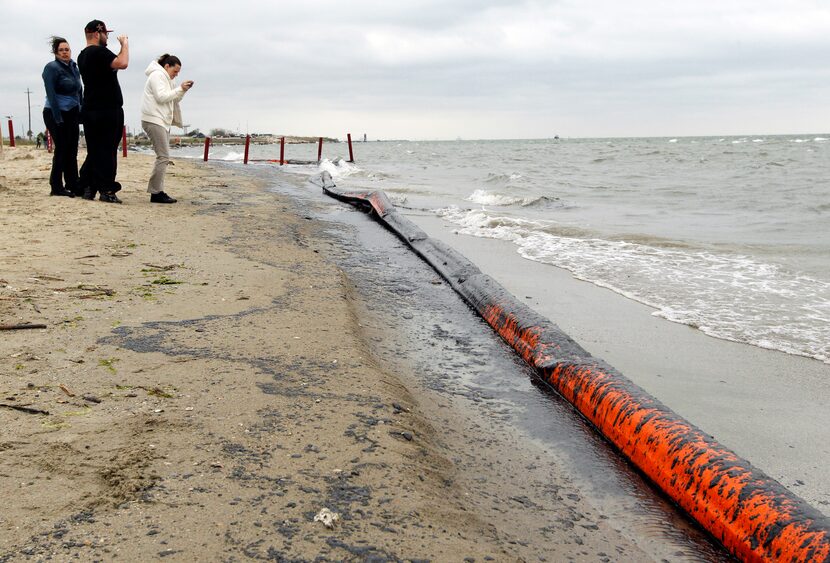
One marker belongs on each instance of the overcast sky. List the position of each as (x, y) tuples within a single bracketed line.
[(443, 69)]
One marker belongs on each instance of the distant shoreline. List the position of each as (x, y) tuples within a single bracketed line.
[(181, 140)]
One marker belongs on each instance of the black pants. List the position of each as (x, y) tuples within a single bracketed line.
[(65, 155), (102, 131)]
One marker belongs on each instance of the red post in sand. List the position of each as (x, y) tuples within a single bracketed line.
[(11, 134), (319, 150), (48, 141), (124, 142), (207, 147), (247, 146), (282, 151), (351, 154)]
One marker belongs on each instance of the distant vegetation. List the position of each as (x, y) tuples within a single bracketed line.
[(196, 137), (227, 137)]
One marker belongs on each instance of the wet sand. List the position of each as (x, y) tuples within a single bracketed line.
[(767, 406), (204, 388)]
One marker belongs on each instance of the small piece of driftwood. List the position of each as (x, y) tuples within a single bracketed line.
[(27, 410), (21, 326)]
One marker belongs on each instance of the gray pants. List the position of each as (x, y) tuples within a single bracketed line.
[(160, 137)]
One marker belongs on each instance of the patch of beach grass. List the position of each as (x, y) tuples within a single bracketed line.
[(164, 280), (109, 363)]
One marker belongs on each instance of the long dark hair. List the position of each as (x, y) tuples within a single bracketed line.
[(56, 41), (171, 60)]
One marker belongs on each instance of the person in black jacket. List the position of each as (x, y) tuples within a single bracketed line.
[(61, 112), (102, 113)]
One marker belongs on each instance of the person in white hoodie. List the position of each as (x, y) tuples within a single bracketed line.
[(160, 110)]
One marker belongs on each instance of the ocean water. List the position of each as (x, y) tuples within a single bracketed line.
[(730, 235)]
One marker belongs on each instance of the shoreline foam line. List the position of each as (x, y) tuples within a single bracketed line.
[(752, 515)]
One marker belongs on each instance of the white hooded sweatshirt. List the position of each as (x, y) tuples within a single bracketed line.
[(160, 104)]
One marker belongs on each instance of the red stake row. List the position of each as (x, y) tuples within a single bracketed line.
[(282, 150), (207, 145)]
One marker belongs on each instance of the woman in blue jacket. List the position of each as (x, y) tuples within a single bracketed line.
[(61, 112)]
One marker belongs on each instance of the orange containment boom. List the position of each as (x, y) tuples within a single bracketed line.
[(752, 515)]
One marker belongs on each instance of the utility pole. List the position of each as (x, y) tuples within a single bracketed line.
[(29, 104)]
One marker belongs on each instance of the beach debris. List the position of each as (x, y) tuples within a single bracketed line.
[(66, 390), (91, 399), (22, 326), (94, 290), (157, 392), (20, 408), (407, 436), (162, 268), (327, 517)]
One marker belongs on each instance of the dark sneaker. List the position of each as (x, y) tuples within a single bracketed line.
[(80, 188), (62, 192), (161, 197), (89, 193), (109, 198)]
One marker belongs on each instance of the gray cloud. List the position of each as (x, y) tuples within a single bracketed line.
[(430, 69)]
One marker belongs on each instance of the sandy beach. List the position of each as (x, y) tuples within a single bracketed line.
[(203, 389)]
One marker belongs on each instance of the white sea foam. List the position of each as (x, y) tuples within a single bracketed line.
[(716, 293), (484, 197), (338, 168), (233, 156), (479, 222), (505, 179), (821, 139)]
